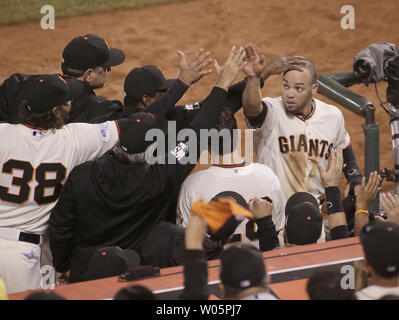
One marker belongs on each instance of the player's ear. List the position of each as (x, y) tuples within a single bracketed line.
[(88, 75), (315, 87)]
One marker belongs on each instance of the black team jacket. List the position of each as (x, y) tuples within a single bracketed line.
[(109, 203)]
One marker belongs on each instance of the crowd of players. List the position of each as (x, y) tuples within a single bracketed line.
[(77, 191)]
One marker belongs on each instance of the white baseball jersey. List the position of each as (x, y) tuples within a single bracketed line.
[(292, 147), (249, 181), (34, 164)]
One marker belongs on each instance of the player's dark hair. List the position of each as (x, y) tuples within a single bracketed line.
[(131, 102), (228, 124), (309, 65), (71, 72), (44, 121), (326, 285), (135, 292)]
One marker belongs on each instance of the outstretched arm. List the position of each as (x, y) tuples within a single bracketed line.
[(206, 118), (364, 197), (195, 264), (262, 210), (351, 170), (190, 72), (335, 210), (252, 95)]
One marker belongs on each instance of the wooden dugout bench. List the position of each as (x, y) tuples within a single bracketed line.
[(289, 269)]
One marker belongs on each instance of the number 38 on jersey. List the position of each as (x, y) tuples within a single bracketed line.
[(48, 177)]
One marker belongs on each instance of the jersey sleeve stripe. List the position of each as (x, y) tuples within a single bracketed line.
[(117, 127)]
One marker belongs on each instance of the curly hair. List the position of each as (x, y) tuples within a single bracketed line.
[(45, 121)]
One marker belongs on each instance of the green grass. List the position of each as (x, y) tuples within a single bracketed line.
[(19, 11)]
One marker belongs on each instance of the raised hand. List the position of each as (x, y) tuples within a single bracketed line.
[(368, 192), (255, 65), (195, 233), (332, 176), (232, 67), (390, 203), (193, 70), (281, 65), (260, 207)]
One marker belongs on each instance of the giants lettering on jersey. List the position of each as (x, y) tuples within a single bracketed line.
[(313, 147)]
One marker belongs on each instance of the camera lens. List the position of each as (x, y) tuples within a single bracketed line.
[(362, 68)]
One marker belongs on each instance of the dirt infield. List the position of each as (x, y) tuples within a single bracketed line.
[(276, 27)]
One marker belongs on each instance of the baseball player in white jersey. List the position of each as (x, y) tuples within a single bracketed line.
[(233, 178), (295, 132), (36, 157)]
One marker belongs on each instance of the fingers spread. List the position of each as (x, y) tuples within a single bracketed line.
[(201, 58), (195, 57), (216, 65)]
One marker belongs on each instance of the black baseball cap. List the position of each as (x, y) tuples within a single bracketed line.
[(380, 241), (145, 80), (44, 92), (133, 130), (242, 266), (304, 220), (234, 221), (111, 261), (91, 51)]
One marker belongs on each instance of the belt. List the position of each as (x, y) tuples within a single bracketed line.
[(17, 235)]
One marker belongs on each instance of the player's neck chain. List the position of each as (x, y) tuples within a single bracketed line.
[(304, 117)]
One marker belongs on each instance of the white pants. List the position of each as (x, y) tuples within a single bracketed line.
[(20, 265)]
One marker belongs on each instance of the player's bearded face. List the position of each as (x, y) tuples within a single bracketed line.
[(297, 92)]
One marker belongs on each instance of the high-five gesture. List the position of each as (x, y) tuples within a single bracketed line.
[(232, 67), (390, 203), (193, 70), (332, 175), (255, 64), (281, 65), (368, 191), (366, 194)]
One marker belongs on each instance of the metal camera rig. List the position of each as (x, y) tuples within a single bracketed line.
[(377, 62)]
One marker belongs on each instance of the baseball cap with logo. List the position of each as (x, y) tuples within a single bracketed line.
[(242, 267), (380, 241), (91, 51), (44, 92), (134, 128), (303, 219), (111, 261), (145, 80)]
